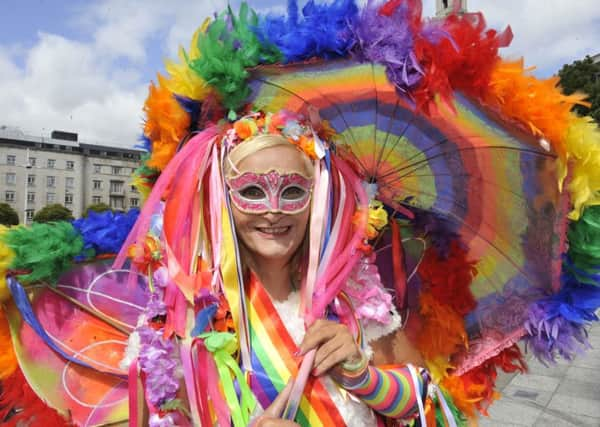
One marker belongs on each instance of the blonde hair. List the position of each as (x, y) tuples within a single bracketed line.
[(256, 144)]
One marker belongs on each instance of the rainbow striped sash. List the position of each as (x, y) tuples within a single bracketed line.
[(273, 362)]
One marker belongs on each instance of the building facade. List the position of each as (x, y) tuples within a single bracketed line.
[(444, 7), (38, 171)]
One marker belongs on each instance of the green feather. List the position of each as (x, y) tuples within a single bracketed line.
[(584, 243), (46, 250), (459, 417), (228, 48)]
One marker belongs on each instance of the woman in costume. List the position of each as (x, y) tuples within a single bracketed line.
[(424, 169)]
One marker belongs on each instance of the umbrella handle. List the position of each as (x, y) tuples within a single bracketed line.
[(293, 402)]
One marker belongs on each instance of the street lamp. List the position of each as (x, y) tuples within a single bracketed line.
[(27, 166)]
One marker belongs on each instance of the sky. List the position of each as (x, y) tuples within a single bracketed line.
[(84, 65)]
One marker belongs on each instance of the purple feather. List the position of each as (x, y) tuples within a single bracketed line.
[(388, 40)]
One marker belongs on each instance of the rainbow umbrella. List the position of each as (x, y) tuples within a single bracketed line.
[(490, 182)]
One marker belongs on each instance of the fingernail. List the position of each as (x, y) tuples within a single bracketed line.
[(297, 353), (315, 372)]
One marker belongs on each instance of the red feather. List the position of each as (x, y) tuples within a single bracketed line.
[(19, 405)]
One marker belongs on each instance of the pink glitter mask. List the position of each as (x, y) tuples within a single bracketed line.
[(259, 193)]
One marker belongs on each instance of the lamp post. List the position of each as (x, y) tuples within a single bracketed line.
[(28, 167)]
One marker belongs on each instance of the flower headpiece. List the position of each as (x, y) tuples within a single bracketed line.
[(289, 125)]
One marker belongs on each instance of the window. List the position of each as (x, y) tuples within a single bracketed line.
[(70, 182), (70, 165), (29, 214), (11, 178), (11, 159), (133, 202), (116, 186), (134, 189), (97, 184), (9, 196), (116, 170), (32, 161), (97, 168), (50, 198), (68, 199), (51, 181), (117, 202), (30, 197), (51, 163), (31, 180), (96, 199)]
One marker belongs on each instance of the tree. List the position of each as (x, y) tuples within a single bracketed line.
[(8, 216), (96, 207), (55, 212), (583, 76)]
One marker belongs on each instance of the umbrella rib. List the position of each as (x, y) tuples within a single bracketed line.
[(397, 141), (480, 178), (341, 115), (421, 163), (458, 219), (387, 137), (376, 118)]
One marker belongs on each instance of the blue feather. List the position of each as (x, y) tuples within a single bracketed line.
[(203, 317), (145, 145), (323, 31), (105, 232)]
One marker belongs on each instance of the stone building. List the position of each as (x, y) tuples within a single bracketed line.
[(38, 171), (444, 7)]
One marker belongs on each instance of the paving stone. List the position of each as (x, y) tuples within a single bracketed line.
[(489, 422), (583, 374), (538, 382), (575, 405), (524, 394), (589, 360), (579, 388), (557, 371), (562, 419), (507, 410)]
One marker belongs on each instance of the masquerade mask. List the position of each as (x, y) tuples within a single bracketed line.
[(259, 193)]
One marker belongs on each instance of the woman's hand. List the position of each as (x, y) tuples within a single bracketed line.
[(271, 416), (334, 344)]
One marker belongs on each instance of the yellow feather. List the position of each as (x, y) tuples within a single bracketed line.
[(583, 158)]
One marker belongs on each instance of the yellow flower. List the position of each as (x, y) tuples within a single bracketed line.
[(378, 218)]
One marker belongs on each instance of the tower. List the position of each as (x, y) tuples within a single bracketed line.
[(444, 7)]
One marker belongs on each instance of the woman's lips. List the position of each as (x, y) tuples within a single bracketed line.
[(274, 231)]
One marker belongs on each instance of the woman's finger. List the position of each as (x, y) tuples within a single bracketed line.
[(334, 358), (320, 331), (276, 408)]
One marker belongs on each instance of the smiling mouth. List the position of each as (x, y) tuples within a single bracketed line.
[(274, 231)]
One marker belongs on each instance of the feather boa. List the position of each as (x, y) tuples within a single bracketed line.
[(104, 232), (43, 250), (8, 360), (227, 49), (19, 405), (166, 124), (443, 331), (449, 278), (322, 30), (6, 259)]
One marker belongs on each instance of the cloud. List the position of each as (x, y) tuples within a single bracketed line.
[(549, 33), (96, 84)]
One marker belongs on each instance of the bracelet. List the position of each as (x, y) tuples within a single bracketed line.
[(355, 366)]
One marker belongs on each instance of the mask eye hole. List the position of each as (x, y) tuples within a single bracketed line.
[(293, 193), (252, 193)]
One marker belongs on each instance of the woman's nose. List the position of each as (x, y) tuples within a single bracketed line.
[(273, 217)]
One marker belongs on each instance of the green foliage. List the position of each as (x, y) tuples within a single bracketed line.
[(583, 76), (8, 216), (44, 250), (55, 212), (228, 49), (96, 207)]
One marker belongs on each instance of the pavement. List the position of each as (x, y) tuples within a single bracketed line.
[(564, 395)]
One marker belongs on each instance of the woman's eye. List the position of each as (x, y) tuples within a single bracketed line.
[(253, 193), (293, 193)]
